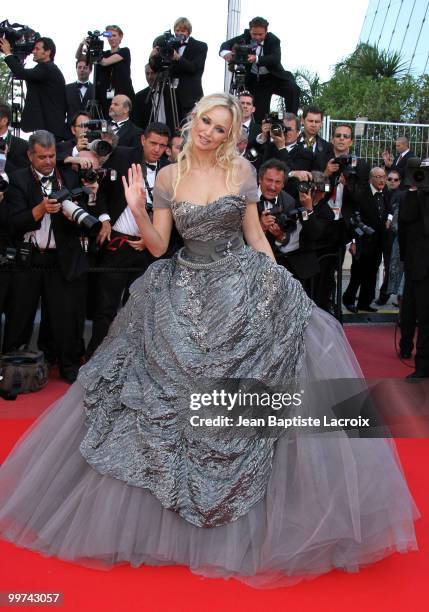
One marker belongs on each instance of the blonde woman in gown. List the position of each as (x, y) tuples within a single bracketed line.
[(114, 473)]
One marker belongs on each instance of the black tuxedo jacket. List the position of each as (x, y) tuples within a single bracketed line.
[(129, 135), (271, 57), (254, 130), (45, 105), (74, 101), (303, 261), (414, 233), (322, 153), (142, 109), (189, 70), (400, 163), (23, 195), (16, 155)]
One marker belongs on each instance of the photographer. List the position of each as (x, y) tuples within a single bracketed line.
[(265, 75), (45, 104), (119, 112), (279, 140), (58, 261), (14, 148), (312, 118), (114, 69), (80, 92), (371, 231), (185, 65), (414, 244), (291, 229), (122, 247)]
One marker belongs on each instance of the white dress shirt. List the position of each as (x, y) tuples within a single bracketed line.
[(43, 238)]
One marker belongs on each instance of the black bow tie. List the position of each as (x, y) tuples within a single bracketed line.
[(47, 179), (114, 124), (80, 85), (151, 167), (268, 201)]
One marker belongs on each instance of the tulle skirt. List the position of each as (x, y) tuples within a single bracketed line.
[(331, 501)]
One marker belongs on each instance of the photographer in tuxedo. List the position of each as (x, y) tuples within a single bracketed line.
[(292, 227), (186, 68), (121, 245), (45, 104), (309, 138), (58, 261), (265, 74), (373, 204), (80, 92), (14, 148), (119, 112)]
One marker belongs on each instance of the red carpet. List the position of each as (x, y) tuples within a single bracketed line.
[(395, 584)]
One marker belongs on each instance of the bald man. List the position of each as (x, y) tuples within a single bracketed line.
[(119, 113), (403, 153)]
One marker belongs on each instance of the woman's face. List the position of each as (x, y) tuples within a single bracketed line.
[(211, 129), (115, 39)]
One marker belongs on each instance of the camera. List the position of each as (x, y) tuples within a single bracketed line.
[(359, 227), (19, 255), (21, 38), (276, 125), (94, 46), (94, 128), (285, 220), (167, 44), (307, 186), (91, 225), (417, 174), (348, 168), (90, 175), (242, 51)]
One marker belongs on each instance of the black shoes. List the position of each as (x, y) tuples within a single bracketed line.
[(367, 309), (416, 374), (382, 301), (350, 307)]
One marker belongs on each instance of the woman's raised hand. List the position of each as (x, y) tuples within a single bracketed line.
[(135, 192)]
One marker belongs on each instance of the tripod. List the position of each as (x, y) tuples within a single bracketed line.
[(238, 78), (14, 91), (156, 94), (93, 106)]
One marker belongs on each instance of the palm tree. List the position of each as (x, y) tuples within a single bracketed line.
[(310, 85), (370, 61)]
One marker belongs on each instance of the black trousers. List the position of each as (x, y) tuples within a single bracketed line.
[(267, 85), (387, 251), (363, 276), (420, 294), (111, 287), (407, 317), (63, 300)]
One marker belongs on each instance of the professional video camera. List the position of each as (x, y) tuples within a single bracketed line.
[(277, 127), (21, 38), (417, 173), (91, 225), (242, 51), (359, 227), (94, 45), (307, 186), (90, 175), (167, 44)]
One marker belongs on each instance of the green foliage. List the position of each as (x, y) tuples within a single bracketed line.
[(372, 83), (370, 61), (309, 84), (4, 75)]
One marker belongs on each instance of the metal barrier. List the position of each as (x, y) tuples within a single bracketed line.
[(371, 138)]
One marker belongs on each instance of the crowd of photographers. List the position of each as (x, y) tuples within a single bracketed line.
[(69, 239)]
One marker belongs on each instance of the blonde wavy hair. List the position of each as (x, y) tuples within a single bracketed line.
[(226, 154)]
